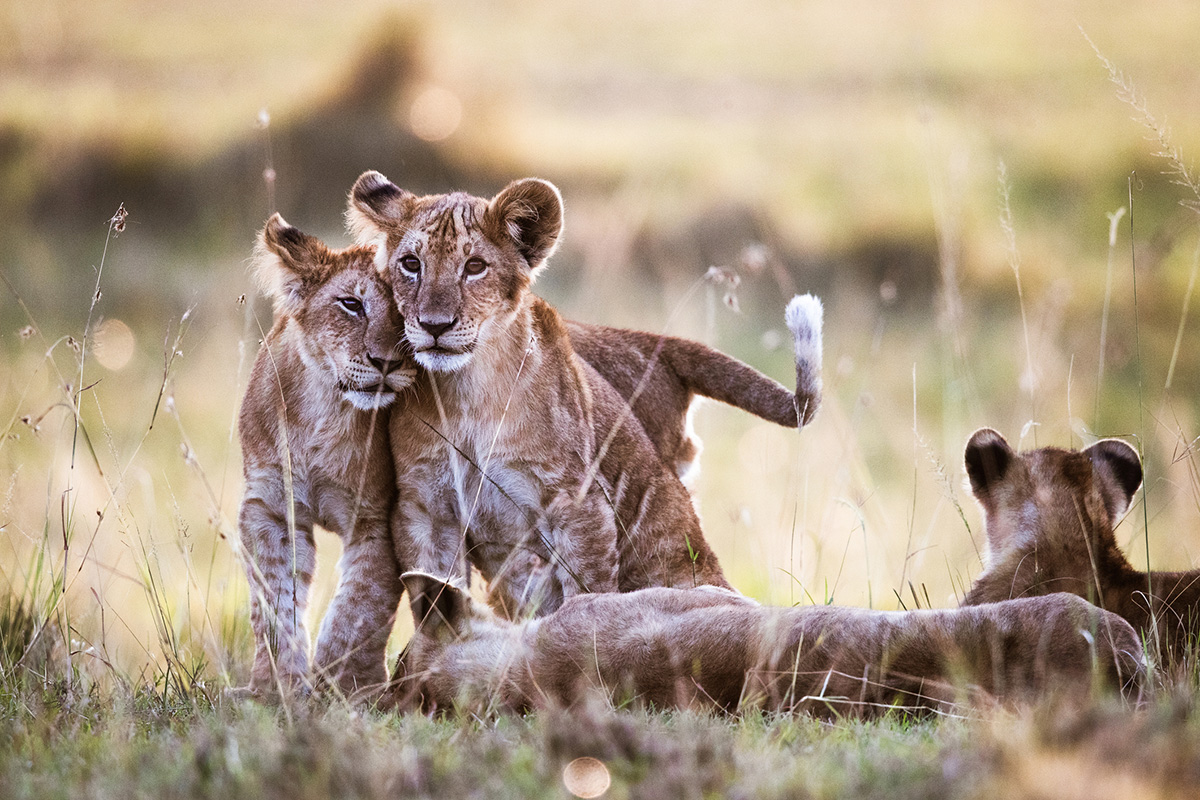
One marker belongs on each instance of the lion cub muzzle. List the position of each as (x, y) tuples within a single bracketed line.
[(438, 344)]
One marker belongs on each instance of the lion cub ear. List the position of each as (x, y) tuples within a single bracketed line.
[(374, 204), (286, 260), (437, 604), (988, 458), (1120, 471), (530, 212)]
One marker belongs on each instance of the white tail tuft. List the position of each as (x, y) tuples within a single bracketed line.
[(805, 317)]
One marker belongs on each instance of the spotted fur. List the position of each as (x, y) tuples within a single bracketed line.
[(313, 430)]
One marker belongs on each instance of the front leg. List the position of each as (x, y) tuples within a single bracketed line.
[(279, 566), (583, 541), (352, 642), (426, 532)]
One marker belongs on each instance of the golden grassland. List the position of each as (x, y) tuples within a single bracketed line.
[(852, 149)]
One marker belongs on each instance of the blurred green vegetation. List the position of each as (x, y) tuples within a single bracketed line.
[(850, 148)]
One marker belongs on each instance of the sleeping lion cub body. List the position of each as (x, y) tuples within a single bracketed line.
[(313, 430), (710, 649), (573, 496)]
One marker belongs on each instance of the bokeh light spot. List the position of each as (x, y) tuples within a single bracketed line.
[(114, 343), (586, 777), (435, 114)]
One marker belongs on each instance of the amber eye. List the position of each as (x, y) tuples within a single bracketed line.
[(410, 264), (475, 266), (352, 304)]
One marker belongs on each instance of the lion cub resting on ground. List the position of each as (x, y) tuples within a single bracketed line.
[(573, 497), (1050, 515), (708, 648), (314, 443)]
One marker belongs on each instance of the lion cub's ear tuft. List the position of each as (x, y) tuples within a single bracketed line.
[(530, 212), (1120, 471), (437, 604), (286, 260), (374, 204), (988, 458)]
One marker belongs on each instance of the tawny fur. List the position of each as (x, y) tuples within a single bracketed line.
[(710, 649), (313, 430), (1050, 515), (658, 375), (576, 498)]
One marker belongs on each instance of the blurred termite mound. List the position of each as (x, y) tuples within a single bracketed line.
[(316, 152), (202, 197)]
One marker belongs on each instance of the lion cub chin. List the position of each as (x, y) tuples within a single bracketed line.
[(1050, 516), (557, 487), (314, 442), (712, 649)]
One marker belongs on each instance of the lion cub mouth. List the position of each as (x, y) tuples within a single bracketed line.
[(368, 398), (442, 359)]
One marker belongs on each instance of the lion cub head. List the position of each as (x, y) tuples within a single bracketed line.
[(338, 312), (1050, 515), (459, 265)]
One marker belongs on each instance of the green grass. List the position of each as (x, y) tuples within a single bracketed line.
[(60, 742)]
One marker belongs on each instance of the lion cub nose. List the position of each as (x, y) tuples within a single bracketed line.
[(384, 365), (436, 327)]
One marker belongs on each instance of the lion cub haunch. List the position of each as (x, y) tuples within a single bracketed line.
[(706, 648), (1050, 515), (575, 498), (313, 430)]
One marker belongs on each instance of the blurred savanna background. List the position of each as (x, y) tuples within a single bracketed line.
[(983, 194)]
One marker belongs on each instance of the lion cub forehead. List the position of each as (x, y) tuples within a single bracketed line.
[(446, 224), (358, 276)]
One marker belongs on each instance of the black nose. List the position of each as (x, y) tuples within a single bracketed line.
[(384, 365), (436, 327)]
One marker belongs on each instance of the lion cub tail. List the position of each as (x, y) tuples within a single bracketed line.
[(805, 317)]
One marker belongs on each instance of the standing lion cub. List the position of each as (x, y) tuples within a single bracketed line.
[(313, 430), (707, 649), (516, 455)]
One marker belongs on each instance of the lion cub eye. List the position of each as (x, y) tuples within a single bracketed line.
[(352, 304), (475, 266), (410, 264)]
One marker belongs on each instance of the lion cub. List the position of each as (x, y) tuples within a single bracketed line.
[(1050, 515), (553, 489), (710, 649), (313, 431), (658, 375)]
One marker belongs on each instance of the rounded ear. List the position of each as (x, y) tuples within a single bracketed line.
[(437, 603), (374, 204), (530, 212), (285, 260), (987, 458), (1120, 471)]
